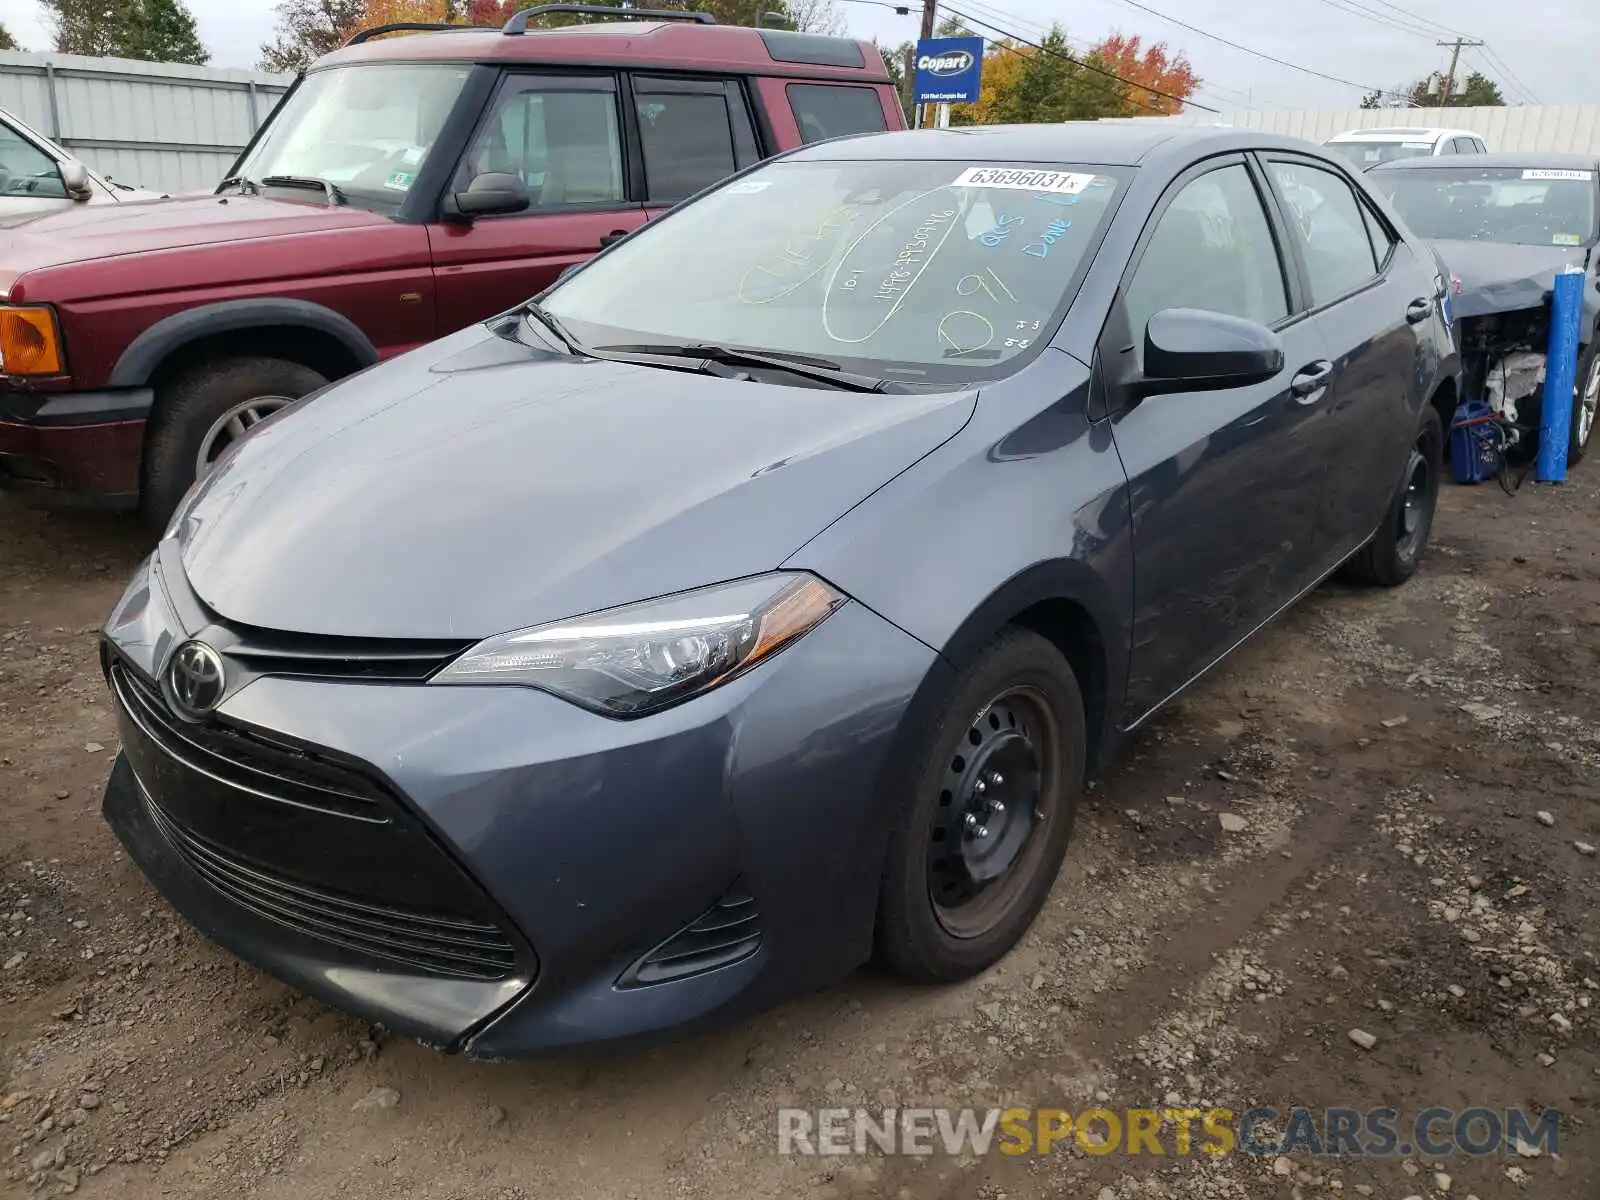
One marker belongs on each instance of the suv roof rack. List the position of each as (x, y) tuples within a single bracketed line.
[(366, 35), (518, 24)]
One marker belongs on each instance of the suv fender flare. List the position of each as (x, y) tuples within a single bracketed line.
[(140, 360)]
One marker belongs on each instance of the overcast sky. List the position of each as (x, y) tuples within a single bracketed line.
[(1552, 49)]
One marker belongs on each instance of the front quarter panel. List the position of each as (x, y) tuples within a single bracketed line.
[(1028, 503)]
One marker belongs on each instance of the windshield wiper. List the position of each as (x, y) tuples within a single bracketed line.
[(331, 190), (553, 323), (243, 182), (819, 369)]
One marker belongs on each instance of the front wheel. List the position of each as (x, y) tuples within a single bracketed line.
[(994, 790), (1391, 557), (203, 412), (1585, 401)]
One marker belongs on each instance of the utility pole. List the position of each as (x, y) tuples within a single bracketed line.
[(1456, 46), (928, 7)]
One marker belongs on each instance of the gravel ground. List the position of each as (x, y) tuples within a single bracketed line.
[(1379, 817)]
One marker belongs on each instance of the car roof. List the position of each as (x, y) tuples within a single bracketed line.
[(1091, 143), (1524, 159), (731, 48), (1401, 134)]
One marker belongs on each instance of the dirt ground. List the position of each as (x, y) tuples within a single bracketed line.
[(1412, 771)]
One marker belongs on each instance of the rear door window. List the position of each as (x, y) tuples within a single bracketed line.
[(692, 132), (1327, 221), (824, 110)]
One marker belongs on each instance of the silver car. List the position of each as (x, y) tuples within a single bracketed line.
[(37, 175)]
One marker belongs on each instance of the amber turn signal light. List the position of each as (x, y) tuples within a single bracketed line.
[(30, 343)]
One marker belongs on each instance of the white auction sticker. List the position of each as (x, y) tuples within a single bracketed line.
[(1552, 173), (745, 187), (1063, 183)]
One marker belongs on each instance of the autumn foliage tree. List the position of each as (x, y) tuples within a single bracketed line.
[(1154, 67), (1052, 81)]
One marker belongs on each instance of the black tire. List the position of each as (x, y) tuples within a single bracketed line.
[(917, 936), (1391, 557), (187, 409), (1588, 373)]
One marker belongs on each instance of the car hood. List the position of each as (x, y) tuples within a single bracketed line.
[(1496, 278), (477, 486), (29, 241)]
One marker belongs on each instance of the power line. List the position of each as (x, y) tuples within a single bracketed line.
[(1282, 62), (1490, 55), (1085, 47), (1355, 9), (1078, 63), (1428, 29)]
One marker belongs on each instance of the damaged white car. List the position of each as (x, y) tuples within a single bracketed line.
[(1505, 225)]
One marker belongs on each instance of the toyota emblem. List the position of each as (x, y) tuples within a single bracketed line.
[(195, 680)]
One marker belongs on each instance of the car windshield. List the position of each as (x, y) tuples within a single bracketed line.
[(932, 273), (1367, 154), (1533, 206), (367, 128)]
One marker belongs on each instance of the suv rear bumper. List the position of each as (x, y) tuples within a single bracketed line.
[(84, 445)]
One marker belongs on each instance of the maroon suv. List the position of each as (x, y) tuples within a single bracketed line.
[(403, 188)]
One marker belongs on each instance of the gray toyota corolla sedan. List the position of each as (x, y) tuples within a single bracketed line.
[(761, 599)]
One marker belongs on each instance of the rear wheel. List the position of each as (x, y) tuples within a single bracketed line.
[(203, 412), (1585, 401), (1391, 557), (994, 791)]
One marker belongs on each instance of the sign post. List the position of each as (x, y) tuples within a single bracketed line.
[(949, 71)]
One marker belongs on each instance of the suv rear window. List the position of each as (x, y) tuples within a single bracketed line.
[(829, 110), (689, 130)]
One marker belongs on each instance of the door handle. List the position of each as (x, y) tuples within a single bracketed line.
[(616, 235), (1418, 310), (1312, 378)]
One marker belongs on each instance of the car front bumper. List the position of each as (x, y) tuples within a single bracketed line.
[(74, 445), (569, 846)]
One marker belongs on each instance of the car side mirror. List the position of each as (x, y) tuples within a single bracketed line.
[(490, 194), (1190, 350), (75, 178)]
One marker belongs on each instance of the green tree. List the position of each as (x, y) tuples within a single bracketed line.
[(7, 42), (1474, 91), (1478, 91), (164, 32), (153, 30)]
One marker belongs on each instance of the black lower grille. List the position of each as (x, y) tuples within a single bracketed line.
[(247, 760), (730, 930), (432, 944), (312, 842)]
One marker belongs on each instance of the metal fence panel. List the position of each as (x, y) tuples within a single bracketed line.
[(1563, 128), (163, 126)]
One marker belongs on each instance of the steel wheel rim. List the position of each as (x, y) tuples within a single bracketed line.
[(234, 424), (1414, 504), (1588, 401), (998, 800)]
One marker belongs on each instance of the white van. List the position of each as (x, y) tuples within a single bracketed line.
[(1369, 147)]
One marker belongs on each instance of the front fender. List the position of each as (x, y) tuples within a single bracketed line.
[(139, 361)]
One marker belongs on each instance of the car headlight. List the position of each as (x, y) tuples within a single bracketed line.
[(641, 658)]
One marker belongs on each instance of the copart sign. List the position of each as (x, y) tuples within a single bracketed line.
[(949, 70)]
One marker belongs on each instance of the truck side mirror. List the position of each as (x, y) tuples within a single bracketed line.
[(75, 178)]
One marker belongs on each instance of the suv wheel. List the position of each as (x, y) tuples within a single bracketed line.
[(201, 413), (994, 791), (1391, 557)]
